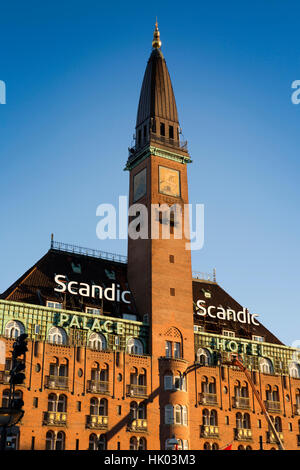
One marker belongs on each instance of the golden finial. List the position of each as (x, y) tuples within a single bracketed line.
[(156, 43)]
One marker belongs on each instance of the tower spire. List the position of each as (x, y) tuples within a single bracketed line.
[(156, 43)]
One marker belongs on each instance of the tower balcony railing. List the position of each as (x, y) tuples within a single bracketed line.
[(158, 139), (98, 386), (273, 406), (271, 439), (242, 403), (57, 382), (138, 425), (208, 398), (134, 390), (97, 422), (209, 431), (242, 434), (55, 418)]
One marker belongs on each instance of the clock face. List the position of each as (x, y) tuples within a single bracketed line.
[(169, 181), (139, 185)]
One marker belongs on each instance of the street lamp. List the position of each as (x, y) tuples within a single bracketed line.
[(8, 417)]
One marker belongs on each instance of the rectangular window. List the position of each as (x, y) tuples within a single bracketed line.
[(93, 311), (171, 132), (177, 350), (258, 338), (53, 304), (230, 334), (162, 129), (119, 409), (168, 349), (35, 402), (168, 382), (78, 406), (171, 258), (172, 291)]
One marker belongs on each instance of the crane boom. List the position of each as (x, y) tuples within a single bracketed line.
[(236, 362)]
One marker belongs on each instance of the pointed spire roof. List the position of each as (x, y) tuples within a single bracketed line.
[(157, 98)]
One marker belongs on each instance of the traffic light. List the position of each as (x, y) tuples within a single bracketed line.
[(18, 365), (20, 346)]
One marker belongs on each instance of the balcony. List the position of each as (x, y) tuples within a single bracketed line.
[(56, 382), (242, 434), (55, 418), (95, 386), (138, 425), (209, 431), (137, 391), (243, 403), (208, 398), (273, 406), (97, 422), (4, 376), (271, 439)]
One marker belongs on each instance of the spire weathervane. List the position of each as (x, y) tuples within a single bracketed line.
[(156, 43)]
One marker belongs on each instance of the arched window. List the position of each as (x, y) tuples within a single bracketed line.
[(98, 407), (102, 442), (50, 440), (133, 443), (205, 417), (169, 414), (5, 397), (278, 424), (135, 346), (57, 335), (13, 329), (103, 407), (93, 442), (55, 441), (215, 446), (204, 357), (57, 403), (241, 447), (142, 444), (94, 406), (97, 342), (206, 446), (213, 418), (294, 370), (266, 366)]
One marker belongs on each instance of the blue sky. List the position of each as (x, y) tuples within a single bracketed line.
[(73, 71)]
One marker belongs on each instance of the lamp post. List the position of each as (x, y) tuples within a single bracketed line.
[(8, 417)]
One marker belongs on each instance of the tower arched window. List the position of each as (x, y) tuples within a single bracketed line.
[(57, 335), (266, 366), (97, 342), (13, 329), (204, 357), (294, 370), (135, 346)]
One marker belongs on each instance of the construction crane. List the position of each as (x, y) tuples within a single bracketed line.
[(238, 363)]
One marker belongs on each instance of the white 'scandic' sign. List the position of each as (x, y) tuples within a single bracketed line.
[(226, 314), (113, 293)]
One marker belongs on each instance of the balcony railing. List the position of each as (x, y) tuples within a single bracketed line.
[(100, 386), (208, 398), (53, 418), (271, 439), (209, 431), (136, 390), (273, 406), (242, 434), (159, 139), (241, 402), (57, 382), (138, 425), (97, 422), (4, 376)]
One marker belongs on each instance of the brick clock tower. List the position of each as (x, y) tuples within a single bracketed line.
[(159, 261)]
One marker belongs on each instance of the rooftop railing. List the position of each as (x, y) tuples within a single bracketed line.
[(79, 250)]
